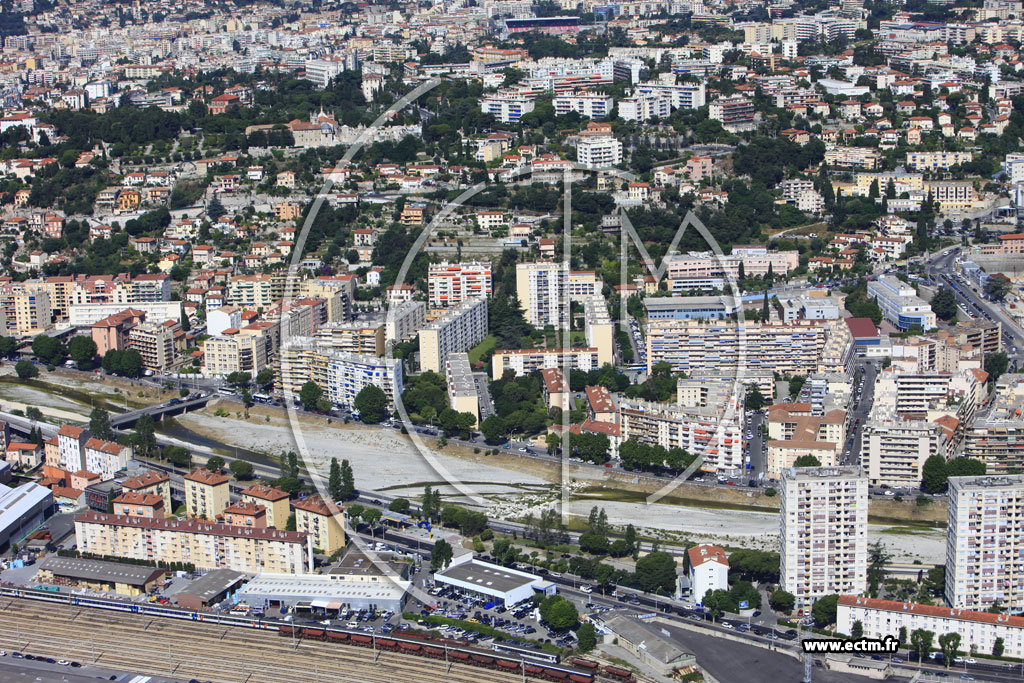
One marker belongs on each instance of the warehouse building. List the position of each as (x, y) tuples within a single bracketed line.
[(100, 575), (492, 581), (209, 589), (331, 593), (22, 510)]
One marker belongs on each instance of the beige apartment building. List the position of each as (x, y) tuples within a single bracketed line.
[(206, 493), (599, 329), (794, 432), (156, 344), (274, 500), (32, 313), (364, 337), (151, 482), (206, 545), (462, 391), (714, 430), (235, 352), (322, 521), (459, 329)]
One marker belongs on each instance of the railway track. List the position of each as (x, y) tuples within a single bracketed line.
[(209, 652)]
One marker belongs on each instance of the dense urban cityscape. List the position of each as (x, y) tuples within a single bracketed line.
[(512, 340)]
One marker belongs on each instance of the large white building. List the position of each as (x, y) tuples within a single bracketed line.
[(985, 542), (978, 630), (824, 532), (348, 373), (900, 304), (591, 105), (599, 152), (507, 108), (459, 329), (525, 361), (542, 289), (893, 451), (709, 570), (448, 284), (712, 430)]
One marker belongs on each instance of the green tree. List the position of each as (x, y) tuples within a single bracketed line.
[(493, 428), (215, 208), (400, 505), (996, 364), (656, 571), (310, 394), (99, 424), (824, 610), (83, 351), (944, 304), (934, 475), (290, 524), (558, 613), (26, 369), (239, 379), (754, 399), (807, 461), (348, 482), (586, 636), (372, 404), (7, 346), (334, 480), (265, 378), (997, 287), (857, 630), (966, 467), (949, 643), (441, 555), (998, 646), (144, 438), (921, 642), (878, 559), (48, 349), (215, 463), (782, 601), (241, 469)]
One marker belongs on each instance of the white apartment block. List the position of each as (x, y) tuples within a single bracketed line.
[(525, 361), (459, 329), (978, 630), (404, 320), (599, 152), (542, 289), (449, 284), (900, 304), (985, 542), (680, 96), (893, 451), (106, 458), (507, 108), (1014, 167), (709, 570), (687, 345), (348, 373), (714, 431), (996, 436), (206, 545), (824, 525), (645, 107), (591, 105)]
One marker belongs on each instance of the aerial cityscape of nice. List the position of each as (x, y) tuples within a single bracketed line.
[(511, 341)]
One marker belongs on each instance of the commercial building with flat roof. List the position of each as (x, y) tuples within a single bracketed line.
[(22, 510), (510, 586), (209, 589), (323, 591), (101, 575), (900, 304)]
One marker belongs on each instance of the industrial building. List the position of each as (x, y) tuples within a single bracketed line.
[(323, 591), (100, 575), (509, 586), (209, 589), (22, 509)]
